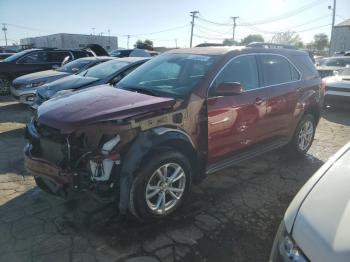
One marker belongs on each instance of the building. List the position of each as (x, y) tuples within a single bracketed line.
[(341, 37), (71, 41)]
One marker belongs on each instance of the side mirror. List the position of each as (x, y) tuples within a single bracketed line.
[(228, 89)]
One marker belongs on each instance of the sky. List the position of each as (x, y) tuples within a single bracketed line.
[(167, 23)]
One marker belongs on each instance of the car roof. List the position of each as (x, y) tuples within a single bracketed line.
[(223, 50), (132, 59), (92, 58)]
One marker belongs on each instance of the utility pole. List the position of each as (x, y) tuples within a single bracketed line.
[(93, 31), (4, 29), (128, 40), (234, 27), (193, 14), (333, 22)]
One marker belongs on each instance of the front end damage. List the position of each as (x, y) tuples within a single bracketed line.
[(101, 158), (84, 161)]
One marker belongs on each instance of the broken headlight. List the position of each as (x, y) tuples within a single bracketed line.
[(101, 167), (285, 249)]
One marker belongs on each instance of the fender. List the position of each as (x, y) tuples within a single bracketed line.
[(143, 144)]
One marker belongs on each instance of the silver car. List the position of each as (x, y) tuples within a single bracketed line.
[(338, 87), (24, 87)]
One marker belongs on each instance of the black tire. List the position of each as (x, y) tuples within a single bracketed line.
[(294, 147), (4, 86), (138, 205)]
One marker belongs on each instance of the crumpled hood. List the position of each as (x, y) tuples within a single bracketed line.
[(48, 75), (69, 82), (95, 104), (322, 226)]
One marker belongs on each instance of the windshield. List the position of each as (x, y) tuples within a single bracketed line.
[(342, 62), (345, 72), (74, 66), (17, 55), (172, 75), (105, 69)]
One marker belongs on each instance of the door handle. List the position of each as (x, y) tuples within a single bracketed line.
[(259, 101)]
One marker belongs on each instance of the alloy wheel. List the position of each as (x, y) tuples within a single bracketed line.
[(165, 188), (305, 135)]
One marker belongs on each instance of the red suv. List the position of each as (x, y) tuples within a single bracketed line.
[(175, 119)]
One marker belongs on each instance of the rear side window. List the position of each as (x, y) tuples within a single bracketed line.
[(306, 66), (35, 58), (79, 54), (242, 69), (277, 70), (58, 57)]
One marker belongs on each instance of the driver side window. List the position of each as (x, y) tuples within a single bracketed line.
[(35, 58), (242, 69)]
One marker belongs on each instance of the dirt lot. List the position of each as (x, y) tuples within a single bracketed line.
[(232, 215)]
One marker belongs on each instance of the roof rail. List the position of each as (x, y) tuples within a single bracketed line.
[(271, 45)]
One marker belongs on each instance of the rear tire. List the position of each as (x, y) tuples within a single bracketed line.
[(303, 136), (161, 186)]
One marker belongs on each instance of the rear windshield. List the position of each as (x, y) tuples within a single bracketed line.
[(17, 55), (105, 69), (74, 66), (335, 61)]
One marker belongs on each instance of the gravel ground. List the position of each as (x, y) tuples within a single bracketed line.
[(231, 216)]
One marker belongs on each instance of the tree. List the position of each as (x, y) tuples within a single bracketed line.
[(229, 41), (286, 38), (252, 38), (147, 44), (321, 41)]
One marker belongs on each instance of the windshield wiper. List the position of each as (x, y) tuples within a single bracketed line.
[(142, 90)]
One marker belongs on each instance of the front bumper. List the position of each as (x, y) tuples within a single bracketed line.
[(40, 167), (24, 96)]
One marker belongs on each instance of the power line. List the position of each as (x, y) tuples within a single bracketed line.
[(218, 34), (257, 29), (157, 32), (287, 14)]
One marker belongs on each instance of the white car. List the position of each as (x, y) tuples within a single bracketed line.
[(338, 86), (316, 225)]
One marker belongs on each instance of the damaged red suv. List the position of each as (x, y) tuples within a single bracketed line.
[(175, 119)]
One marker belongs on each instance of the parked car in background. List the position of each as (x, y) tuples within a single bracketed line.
[(327, 66), (181, 116), (130, 53), (110, 72), (33, 60), (315, 226), (338, 87), (24, 87), (5, 55)]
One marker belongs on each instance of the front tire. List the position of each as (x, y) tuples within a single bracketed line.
[(303, 136), (161, 186)]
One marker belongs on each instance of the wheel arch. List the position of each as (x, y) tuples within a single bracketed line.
[(143, 146)]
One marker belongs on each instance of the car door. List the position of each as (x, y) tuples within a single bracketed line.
[(33, 62), (234, 122), (281, 80)]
